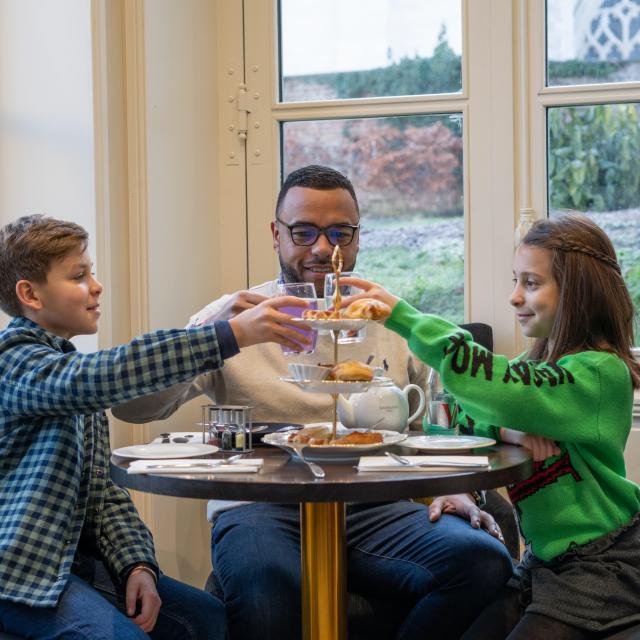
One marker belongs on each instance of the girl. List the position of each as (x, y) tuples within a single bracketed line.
[(570, 400)]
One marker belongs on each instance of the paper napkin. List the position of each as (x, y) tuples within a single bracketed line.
[(444, 463), (190, 466)]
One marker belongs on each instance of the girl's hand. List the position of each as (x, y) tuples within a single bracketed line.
[(141, 587), (541, 448), (462, 505), (371, 290), (264, 323)]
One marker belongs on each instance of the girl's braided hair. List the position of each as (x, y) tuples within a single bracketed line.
[(580, 247), (595, 311)]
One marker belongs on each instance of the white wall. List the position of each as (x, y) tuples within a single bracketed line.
[(46, 114)]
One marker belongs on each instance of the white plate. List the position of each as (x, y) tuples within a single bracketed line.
[(168, 450), (447, 443), (329, 386), (330, 452), (339, 324)]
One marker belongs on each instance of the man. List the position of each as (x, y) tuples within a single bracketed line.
[(437, 574)]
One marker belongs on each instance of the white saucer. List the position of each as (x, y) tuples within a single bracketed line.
[(168, 450), (447, 443)]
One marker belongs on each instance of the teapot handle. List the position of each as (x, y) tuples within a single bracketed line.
[(420, 409)]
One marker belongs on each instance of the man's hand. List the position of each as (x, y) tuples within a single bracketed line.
[(462, 505), (237, 303), (141, 587), (371, 290), (541, 448), (264, 323)]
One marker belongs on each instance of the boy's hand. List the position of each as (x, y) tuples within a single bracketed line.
[(141, 588), (264, 323), (541, 448), (462, 505), (371, 290)]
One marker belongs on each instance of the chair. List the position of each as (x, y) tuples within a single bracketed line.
[(497, 506)]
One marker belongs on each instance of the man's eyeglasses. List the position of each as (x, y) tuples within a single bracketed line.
[(306, 234)]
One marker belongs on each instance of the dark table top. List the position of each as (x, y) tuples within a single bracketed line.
[(283, 479)]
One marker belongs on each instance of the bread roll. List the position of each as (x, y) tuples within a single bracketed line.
[(367, 309), (351, 371)]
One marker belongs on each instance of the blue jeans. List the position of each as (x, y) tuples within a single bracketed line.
[(438, 576), (95, 611)]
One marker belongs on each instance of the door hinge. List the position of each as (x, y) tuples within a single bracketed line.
[(243, 111)]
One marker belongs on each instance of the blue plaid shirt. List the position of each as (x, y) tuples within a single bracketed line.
[(55, 487)]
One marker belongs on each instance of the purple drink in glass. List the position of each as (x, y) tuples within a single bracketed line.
[(297, 312)]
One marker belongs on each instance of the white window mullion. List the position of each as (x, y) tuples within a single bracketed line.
[(491, 175)]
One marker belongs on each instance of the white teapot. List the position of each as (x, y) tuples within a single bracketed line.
[(383, 405)]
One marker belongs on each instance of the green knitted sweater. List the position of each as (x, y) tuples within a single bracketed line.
[(584, 402)]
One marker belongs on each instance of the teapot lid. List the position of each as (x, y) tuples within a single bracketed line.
[(379, 377)]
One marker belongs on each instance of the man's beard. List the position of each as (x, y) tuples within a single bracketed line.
[(289, 274)]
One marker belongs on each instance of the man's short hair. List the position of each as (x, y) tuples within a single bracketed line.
[(28, 248), (315, 176)]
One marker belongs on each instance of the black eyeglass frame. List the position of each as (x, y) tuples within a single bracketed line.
[(320, 231)]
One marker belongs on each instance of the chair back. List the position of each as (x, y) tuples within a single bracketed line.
[(482, 333)]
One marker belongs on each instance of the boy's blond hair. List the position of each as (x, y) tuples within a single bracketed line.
[(28, 248)]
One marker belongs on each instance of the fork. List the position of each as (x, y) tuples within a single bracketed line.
[(190, 465), (316, 469), (430, 463)]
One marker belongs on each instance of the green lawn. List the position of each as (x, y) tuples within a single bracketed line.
[(434, 285)]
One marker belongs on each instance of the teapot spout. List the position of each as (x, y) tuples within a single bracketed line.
[(346, 413)]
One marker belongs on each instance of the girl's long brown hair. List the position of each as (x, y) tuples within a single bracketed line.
[(595, 312)]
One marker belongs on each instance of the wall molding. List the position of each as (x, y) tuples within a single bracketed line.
[(119, 81), (136, 108)]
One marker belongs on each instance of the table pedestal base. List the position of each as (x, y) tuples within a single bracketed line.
[(324, 578)]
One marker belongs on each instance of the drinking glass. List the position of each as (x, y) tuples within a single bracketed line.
[(351, 335), (305, 290), (440, 418)]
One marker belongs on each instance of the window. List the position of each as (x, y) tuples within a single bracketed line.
[(407, 174), (369, 48), (592, 117)]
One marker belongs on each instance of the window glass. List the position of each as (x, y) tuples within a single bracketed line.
[(333, 49), (407, 173), (594, 168), (593, 41)]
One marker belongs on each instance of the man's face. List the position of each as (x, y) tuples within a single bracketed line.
[(321, 208)]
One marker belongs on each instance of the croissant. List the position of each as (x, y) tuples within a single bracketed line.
[(368, 309), (315, 314), (351, 371)]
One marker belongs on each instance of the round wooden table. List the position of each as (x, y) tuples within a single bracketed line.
[(322, 509)]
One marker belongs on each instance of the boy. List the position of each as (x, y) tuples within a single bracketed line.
[(59, 509)]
